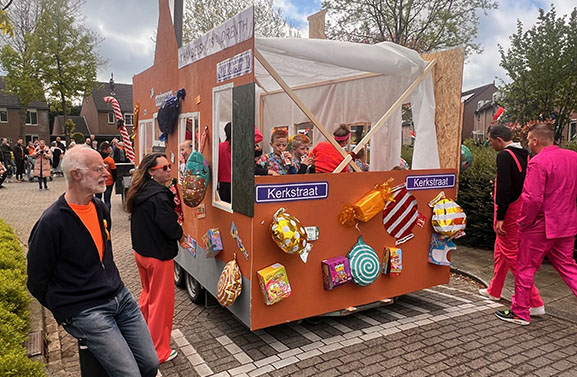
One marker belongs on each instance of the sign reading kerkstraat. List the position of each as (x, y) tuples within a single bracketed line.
[(291, 191), (430, 181), (229, 33)]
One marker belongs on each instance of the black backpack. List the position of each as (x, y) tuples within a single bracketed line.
[(168, 114)]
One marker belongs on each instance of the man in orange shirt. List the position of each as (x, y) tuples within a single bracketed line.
[(105, 151)]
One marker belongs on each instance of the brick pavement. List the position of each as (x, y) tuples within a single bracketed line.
[(444, 331)]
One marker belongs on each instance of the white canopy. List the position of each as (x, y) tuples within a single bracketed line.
[(336, 94)]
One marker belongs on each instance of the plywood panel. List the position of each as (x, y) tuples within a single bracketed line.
[(448, 82), (243, 149)]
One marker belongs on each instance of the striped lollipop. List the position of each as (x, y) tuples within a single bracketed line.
[(364, 263), (122, 129)]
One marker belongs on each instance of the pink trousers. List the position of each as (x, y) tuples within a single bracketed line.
[(533, 247), (157, 300), (505, 254)]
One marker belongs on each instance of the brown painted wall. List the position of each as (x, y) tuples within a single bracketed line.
[(11, 129)]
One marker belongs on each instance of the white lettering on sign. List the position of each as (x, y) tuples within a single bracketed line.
[(231, 32), (236, 66)]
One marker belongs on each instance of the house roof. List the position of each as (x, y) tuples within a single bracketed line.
[(122, 93), (79, 121), (11, 100), (469, 95)]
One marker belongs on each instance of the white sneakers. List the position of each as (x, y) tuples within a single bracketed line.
[(483, 292), (537, 312)]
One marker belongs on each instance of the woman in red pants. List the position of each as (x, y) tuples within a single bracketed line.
[(155, 231)]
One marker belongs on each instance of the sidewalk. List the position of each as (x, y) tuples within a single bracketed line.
[(558, 298)]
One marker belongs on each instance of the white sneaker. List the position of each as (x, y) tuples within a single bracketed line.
[(483, 292), (537, 312), (172, 355)]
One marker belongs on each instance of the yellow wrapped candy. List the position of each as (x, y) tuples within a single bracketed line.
[(448, 217), (289, 234), (367, 206)]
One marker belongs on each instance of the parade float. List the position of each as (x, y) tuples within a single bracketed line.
[(295, 246)]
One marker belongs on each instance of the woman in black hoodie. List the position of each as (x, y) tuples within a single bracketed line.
[(155, 231)]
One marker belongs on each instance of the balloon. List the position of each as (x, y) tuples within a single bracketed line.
[(367, 206), (289, 234), (466, 158), (229, 284)]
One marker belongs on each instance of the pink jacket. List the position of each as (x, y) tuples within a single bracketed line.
[(550, 193)]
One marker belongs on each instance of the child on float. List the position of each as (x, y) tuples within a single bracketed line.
[(327, 158), (304, 162), (279, 160), (361, 160)]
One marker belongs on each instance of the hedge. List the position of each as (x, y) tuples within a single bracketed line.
[(475, 196), (14, 314)]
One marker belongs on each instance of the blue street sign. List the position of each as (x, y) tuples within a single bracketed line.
[(291, 191), (430, 181)]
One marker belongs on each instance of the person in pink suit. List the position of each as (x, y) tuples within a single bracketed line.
[(548, 220), (512, 161)]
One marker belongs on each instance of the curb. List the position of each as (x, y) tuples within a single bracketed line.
[(470, 276)]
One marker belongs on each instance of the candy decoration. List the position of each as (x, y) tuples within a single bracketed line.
[(400, 215), (448, 217), (212, 242), (336, 271), (274, 283), (229, 284), (466, 158), (196, 175), (236, 237), (367, 206), (289, 234), (121, 128), (177, 202), (364, 263), (439, 249)]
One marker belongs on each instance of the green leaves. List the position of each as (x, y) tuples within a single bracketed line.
[(423, 25), (542, 64)]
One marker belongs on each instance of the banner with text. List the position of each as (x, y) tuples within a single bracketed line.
[(430, 181), (229, 33), (236, 66), (291, 191)]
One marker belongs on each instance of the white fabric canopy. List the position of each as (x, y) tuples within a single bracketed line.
[(309, 61)]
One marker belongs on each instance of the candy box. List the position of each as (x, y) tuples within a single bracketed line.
[(336, 271), (392, 261), (274, 283), (212, 242)]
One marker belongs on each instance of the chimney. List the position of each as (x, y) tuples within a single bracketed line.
[(317, 25), (178, 10)]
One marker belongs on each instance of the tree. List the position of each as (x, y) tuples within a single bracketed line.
[(422, 25), (542, 65), (5, 24), (202, 15), (66, 53), (16, 57)]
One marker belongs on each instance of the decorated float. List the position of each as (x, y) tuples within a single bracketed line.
[(295, 246)]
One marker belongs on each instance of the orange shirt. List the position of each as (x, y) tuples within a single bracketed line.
[(110, 165), (89, 217)]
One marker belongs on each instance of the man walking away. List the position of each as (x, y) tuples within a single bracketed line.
[(512, 162), (19, 159), (548, 220), (71, 272)]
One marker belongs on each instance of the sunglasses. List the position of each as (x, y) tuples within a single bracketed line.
[(163, 167)]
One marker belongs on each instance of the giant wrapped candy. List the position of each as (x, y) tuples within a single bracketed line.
[(364, 263), (448, 217), (368, 206), (400, 216), (229, 284), (289, 234), (195, 179)]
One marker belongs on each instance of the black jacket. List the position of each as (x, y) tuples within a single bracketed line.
[(154, 224), (509, 178), (65, 273)]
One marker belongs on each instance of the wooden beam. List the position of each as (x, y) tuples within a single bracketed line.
[(361, 144), (303, 108)]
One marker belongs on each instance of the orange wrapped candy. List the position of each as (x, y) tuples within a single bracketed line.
[(367, 206)]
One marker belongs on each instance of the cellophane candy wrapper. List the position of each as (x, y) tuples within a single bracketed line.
[(367, 206), (274, 284), (336, 271), (229, 284), (448, 217), (177, 202), (289, 234), (194, 180)]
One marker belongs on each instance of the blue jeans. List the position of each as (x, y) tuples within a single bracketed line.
[(117, 336)]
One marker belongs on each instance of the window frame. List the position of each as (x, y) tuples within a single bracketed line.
[(125, 115), (215, 146), (3, 110), (29, 113), (111, 117)]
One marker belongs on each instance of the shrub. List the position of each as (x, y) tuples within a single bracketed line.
[(14, 300), (475, 196)]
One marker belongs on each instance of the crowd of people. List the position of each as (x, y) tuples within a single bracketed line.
[(20, 162)]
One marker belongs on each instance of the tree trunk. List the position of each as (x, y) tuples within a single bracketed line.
[(22, 115)]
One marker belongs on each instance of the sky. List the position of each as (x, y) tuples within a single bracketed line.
[(127, 28)]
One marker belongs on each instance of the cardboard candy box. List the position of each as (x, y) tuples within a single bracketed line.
[(274, 283), (212, 242), (392, 261), (336, 271)]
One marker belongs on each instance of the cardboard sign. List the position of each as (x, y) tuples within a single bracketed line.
[(291, 191)]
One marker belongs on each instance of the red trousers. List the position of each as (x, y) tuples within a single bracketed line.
[(505, 254), (533, 247), (157, 300)]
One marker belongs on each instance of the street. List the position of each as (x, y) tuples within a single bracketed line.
[(445, 331)]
